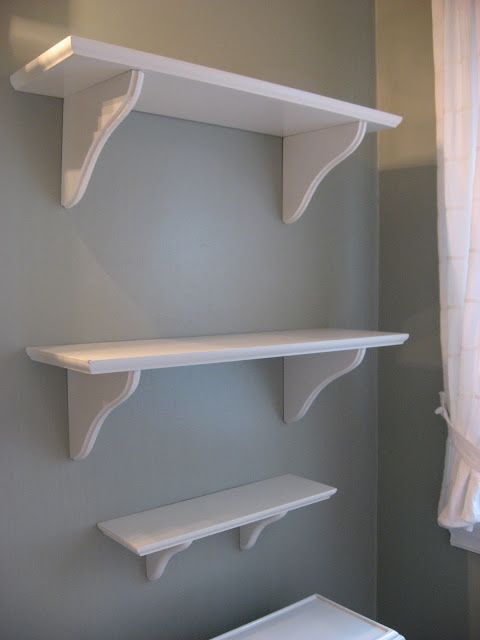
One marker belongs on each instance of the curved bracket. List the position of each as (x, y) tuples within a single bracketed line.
[(89, 119), (308, 157), (305, 376), (90, 399), (249, 533), (156, 563)]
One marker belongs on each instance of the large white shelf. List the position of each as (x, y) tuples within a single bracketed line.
[(132, 355), (160, 533), (314, 618), (102, 83), (103, 375)]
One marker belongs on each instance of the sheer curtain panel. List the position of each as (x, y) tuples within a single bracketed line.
[(456, 35)]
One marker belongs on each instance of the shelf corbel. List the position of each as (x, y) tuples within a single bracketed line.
[(250, 533), (91, 398), (309, 157), (90, 117), (306, 376), (157, 562)]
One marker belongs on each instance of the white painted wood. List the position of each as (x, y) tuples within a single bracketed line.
[(250, 533), (108, 372), (156, 563), (136, 355), (190, 91), (77, 69), (169, 527), (90, 117), (308, 157), (305, 376), (314, 618), (90, 401)]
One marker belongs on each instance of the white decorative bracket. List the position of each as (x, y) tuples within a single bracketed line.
[(308, 157), (306, 376), (249, 533), (89, 119), (91, 116), (90, 399), (156, 563)]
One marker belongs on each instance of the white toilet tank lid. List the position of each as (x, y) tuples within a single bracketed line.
[(314, 618)]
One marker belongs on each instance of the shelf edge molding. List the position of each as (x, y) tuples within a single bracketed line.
[(90, 117), (304, 377), (309, 157), (159, 534), (90, 400)]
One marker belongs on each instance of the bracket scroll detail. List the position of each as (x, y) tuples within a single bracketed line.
[(249, 533), (305, 376), (157, 562), (308, 157), (90, 117), (90, 400)]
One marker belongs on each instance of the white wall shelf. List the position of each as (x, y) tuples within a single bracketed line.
[(101, 376), (312, 618), (161, 533), (102, 83)]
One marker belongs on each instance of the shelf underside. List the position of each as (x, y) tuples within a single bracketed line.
[(136, 355)]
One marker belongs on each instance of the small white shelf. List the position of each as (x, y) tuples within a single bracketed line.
[(161, 533), (103, 375), (314, 618), (102, 83)]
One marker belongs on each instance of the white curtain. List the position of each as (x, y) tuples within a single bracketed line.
[(456, 36)]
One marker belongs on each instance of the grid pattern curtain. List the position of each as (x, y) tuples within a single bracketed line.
[(456, 36)]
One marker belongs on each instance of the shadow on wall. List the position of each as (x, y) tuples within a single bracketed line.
[(424, 583)]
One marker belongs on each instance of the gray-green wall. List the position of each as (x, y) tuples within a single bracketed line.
[(180, 234), (426, 588)]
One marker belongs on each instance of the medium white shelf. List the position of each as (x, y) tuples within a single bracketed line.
[(314, 618), (102, 83), (101, 376), (161, 533)]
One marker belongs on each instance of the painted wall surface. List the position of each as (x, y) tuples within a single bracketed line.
[(180, 234), (426, 588)]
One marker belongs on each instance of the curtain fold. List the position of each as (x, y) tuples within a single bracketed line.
[(456, 36)]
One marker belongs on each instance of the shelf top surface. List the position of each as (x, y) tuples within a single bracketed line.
[(192, 92), (136, 355), (157, 529), (311, 619)]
